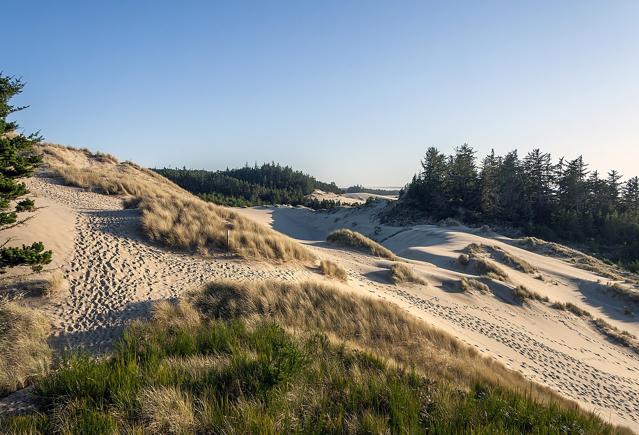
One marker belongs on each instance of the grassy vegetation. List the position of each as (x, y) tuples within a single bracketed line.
[(500, 255), (576, 258), (483, 266), (24, 352), (402, 273), (228, 363), (615, 334), (332, 270), (170, 215), (353, 239), (522, 293), (469, 284)]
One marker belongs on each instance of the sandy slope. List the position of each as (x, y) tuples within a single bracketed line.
[(114, 273), (552, 347)]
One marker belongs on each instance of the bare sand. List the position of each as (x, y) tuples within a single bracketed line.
[(114, 274)]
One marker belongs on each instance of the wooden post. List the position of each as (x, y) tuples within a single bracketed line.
[(229, 227)]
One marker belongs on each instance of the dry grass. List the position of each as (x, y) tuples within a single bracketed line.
[(469, 284), (170, 215), (573, 256), (615, 334), (24, 352), (626, 291), (167, 410), (483, 266), (402, 273), (366, 324), (522, 293), (332, 270), (55, 284), (353, 239), (500, 255)]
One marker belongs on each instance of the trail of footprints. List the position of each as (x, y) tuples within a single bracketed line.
[(573, 377), (114, 275)]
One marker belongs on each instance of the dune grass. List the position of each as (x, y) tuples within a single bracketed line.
[(332, 270), (523, 293), (500, 255), (469, 284), (353, 239), (228, 363), (573, 256), (615, 334), (169, 214), (402, 273), (24, 352), (483, 266)]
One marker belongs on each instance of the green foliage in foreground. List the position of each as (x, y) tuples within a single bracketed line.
[(18, 159), (227, 377)]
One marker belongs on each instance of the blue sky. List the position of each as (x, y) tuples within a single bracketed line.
[(349, 91)]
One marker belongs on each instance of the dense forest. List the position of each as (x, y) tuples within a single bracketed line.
[(561, 201), (257, 185), (361, 189)]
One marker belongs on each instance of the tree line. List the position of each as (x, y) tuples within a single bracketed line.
[(269, 183), (562, 200)]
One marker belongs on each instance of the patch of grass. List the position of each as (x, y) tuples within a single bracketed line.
[(402, 273), (484, 267), (469, 284), (573, 256), (171, 215), (353, 239), (55, 284), (615, 334), (626, 291), (332, 270), (24, 352), (523, 293), (500, 255), (225, 375)]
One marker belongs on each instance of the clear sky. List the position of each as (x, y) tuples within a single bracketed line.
[(350, 91)]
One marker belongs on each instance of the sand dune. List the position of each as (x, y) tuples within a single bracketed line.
[(554, 348), (114, 272)]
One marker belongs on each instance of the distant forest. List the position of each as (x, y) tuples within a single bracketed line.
[(361, 189), (270, 183), (561, 201)]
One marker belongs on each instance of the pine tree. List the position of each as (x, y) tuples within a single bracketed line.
[(18, 159), (489, 184), (462, 180)]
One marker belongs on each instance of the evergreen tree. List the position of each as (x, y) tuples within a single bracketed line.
[(462, 180), (18, 159), (489, 184)]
